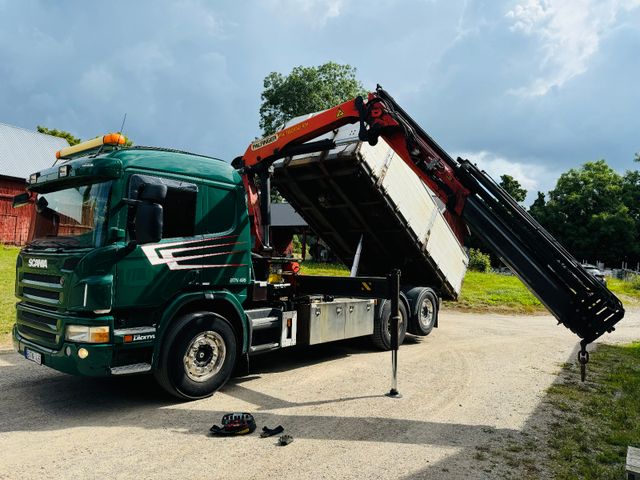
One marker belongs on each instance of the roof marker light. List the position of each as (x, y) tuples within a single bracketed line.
[(111, 139)]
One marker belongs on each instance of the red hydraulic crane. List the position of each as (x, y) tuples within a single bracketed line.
[(473, 200)]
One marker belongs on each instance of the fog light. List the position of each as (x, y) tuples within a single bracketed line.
[(83, 353)]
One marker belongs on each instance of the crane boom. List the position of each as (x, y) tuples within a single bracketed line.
[(472, 199)]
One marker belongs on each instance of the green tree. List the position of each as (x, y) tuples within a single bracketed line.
[(587, 214), (513, 187), (59, 133), (631, 199), (631, 193), (305, 90), (479, 261), (537, 208)]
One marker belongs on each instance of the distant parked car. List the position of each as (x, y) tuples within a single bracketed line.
[(595, 271), (503, 271)]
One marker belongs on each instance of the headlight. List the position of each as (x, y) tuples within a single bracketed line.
[(86, 334)]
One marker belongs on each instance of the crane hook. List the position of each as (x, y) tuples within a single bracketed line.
[(583, 359)]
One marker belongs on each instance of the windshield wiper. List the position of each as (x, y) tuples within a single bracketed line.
[(54, 243)]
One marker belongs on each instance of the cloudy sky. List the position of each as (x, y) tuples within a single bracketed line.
[(526, 87)]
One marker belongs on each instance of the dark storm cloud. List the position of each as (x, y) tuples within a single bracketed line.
[(529, 87)]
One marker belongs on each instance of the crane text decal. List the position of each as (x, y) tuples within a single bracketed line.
[(263, 142), (293, 129)]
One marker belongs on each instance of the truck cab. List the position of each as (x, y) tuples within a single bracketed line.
[(96, 290)]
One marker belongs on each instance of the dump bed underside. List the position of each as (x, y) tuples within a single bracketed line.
[(343, 200)]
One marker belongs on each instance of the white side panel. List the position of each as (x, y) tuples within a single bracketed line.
[(446, 252), (420, 210), (405, 189)]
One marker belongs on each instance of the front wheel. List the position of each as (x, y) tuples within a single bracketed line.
[(199, 357)]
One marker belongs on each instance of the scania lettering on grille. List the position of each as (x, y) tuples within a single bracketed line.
[(37, 263), (195, 254)]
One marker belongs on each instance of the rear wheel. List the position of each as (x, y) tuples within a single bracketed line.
[(199, 357), (424, 310), (382, 326)]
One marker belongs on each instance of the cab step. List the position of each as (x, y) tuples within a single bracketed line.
[(265, 347), (131, 369)]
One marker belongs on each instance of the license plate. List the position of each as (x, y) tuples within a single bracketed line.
[(33, 356)]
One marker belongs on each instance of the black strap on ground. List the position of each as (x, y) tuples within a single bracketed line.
[(269, 432)]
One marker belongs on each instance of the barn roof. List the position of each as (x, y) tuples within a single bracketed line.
[(23, 151)]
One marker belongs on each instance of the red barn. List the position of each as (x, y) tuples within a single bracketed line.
[(22, 152)]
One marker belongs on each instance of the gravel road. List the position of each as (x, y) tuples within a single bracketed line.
[(475, 378)]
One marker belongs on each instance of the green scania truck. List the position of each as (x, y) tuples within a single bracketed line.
[(154, 260), (141, 260)]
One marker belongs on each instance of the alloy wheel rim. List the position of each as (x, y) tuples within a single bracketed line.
[(204, 356), (426, 313)]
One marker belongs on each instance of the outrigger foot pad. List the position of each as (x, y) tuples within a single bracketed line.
[(393, 393)]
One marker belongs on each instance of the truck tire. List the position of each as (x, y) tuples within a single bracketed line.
[(424, 310), (199, 356), (381, 337)]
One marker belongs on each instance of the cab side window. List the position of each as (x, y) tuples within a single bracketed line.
[(178, 207), (179, 212), (220, 212)]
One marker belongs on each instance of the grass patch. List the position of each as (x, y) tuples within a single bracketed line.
[(324, 269), (7, 290), (496, 293), (595, 421), (580, 430), (629, 291)]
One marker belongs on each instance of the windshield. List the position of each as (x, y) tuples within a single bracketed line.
[(73, 218)]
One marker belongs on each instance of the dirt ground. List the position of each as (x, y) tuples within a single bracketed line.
[(476, 379)]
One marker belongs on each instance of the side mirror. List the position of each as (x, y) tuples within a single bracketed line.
[(21, 200), (41, 204), (148, 222)]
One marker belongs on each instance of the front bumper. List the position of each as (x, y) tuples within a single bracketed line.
[(65, 359)]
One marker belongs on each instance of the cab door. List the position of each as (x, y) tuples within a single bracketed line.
[(147, 277)]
